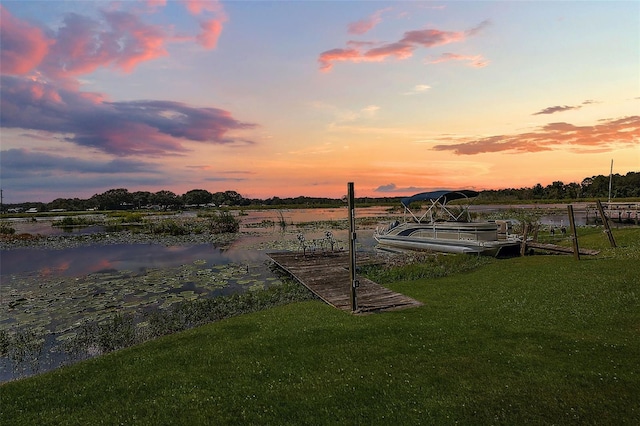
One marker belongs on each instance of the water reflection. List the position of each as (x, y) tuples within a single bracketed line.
[(118, 257)]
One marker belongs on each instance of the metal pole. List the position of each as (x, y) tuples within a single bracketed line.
[(352, 247), (574, 237)]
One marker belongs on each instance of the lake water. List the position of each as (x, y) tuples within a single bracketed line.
[(256, 238)]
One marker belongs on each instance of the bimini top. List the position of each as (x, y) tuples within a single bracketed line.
[(442, 196)]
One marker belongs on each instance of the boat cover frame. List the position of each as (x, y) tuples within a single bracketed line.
[(438, 200)]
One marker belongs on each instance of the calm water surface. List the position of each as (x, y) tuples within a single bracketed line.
[(250, 248)]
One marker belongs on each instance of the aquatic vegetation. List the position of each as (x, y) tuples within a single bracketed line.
[(25, 352), (76, 221), (224, 222), (107, 310), (281, 221), (415, 266), (7, 229)]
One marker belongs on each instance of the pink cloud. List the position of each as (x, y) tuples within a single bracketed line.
[(156, 3), (197, 7), (476, 61), (366, 25), (24, 46), (432, 38), (81, 45), (211, 30), (327, 58), (622, 131), (402, 49)]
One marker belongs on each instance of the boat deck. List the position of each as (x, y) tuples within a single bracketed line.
[(326, 274)]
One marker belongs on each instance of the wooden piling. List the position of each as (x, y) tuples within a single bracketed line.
[(574, 232), (523, 244), (605, 221), (352, 247)]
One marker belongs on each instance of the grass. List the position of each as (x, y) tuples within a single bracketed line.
[(538, 340)]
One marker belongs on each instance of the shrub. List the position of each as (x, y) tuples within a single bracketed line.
[(224, 222), (6, 229)]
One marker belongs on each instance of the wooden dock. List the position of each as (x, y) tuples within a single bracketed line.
[(327, 275), (560, 249)]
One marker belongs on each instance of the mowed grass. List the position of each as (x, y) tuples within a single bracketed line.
[(537, 340)]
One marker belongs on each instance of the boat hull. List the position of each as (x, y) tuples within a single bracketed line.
[(448, 237)]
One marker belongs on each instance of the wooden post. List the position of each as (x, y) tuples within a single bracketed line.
[(574, 237), (605, 221), (352, 247), (523, 243)]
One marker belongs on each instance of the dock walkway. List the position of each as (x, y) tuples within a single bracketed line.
[(327, 275)]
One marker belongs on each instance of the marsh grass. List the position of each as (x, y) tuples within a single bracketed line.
[(531, 340), (416, 266), (76, 221)]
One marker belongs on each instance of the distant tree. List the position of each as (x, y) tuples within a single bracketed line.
[(229, 198), (233, 198), (555, 191), (113, 199), (573, 190), (141, 198), (197, 196), (166, 199), (538, 191), (69, 204)]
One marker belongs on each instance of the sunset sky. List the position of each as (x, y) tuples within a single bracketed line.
[(289, 98)]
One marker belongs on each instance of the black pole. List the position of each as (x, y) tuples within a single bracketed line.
[(352, 247)]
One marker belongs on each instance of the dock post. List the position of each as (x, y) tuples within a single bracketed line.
[(605, 221), (523, 244), (574, 232), (352, 247)]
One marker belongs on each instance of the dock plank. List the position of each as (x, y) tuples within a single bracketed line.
[(327, 276)]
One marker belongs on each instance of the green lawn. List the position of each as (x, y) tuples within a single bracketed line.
[(537, 340)]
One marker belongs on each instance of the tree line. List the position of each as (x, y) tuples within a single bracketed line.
[(624, 186)]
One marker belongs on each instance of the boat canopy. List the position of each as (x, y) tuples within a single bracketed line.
[(438, 200), (442, 196)]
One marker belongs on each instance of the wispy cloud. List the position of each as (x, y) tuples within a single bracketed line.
[(622, 132), (562, 108), (392, 189), (557, 108), (418, 89), (401, 49), (367, 24), (211, 28), (476, 61)]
